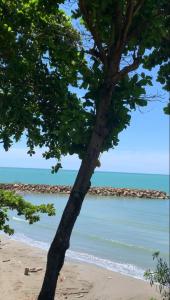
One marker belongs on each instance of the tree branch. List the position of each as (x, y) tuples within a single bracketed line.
[(93, 29), (138, 7), (128, 20), (118, 45), (133, 66), (129, 68), (116, 24), (136, 10)]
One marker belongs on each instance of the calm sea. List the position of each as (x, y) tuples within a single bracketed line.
[(67, 177), (124, 232)]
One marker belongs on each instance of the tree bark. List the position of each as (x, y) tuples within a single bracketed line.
[(61, 241)]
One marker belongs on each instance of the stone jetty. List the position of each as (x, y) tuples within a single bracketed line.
[(98, 191)]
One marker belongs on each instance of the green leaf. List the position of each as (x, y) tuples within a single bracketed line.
[(11, 201)]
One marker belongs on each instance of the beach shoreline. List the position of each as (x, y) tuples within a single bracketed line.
[(77, 280)]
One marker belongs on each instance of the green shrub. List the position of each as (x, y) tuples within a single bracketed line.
[(160, 276)]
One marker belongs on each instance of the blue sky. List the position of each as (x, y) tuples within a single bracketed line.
[(143, 146)]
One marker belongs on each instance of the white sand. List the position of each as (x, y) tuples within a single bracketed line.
[(82, 281)]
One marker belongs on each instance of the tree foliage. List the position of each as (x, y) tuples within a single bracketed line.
[(161, 276), (42, 57), (38, 61), (12, 201), (167, 109)]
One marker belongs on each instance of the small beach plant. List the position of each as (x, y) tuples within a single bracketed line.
[(70, 83), (160, 276)]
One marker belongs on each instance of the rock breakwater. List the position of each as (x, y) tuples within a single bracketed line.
[(99, 191)]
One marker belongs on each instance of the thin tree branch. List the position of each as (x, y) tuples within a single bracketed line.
[(116, 24), (118, 45), (126, 70), (129, 68), (128, 20), (138, 7), (93, 29), (136, 10), (116, 48)]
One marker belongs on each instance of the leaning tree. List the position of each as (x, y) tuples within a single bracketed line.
[(45, 62)]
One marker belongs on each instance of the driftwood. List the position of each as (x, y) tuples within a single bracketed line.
[(26, 271), (31, 270), (6, 260)]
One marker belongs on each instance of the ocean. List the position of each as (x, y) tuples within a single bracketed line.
[(119, 234), (67, 177)]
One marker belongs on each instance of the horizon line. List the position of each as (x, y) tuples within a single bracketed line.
[(96, 171)]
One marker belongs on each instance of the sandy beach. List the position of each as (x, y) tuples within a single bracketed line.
[(77, 280)]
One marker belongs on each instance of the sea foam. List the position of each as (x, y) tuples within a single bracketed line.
[(122, 268)]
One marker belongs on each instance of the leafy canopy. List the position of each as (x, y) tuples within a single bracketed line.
[(42, 57), (38, 61)]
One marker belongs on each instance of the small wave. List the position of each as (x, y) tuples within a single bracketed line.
[(131, 245), (125, 269), (19, 219), (25, 239), (120, 243), (37, 224)]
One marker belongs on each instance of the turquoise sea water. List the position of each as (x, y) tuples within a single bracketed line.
[(67, 177), (120, 234)]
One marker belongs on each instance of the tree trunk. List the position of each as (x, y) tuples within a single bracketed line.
[(60, 244)]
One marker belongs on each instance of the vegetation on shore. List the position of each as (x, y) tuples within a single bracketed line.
[(160, 276)]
